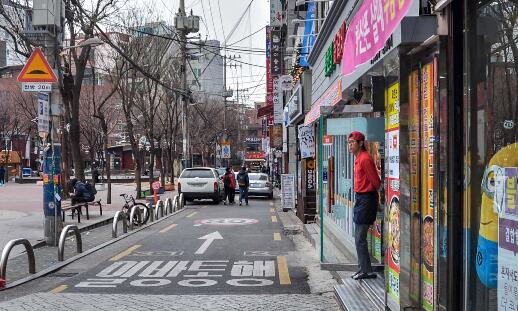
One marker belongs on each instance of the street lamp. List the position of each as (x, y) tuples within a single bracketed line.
[(92, 42)]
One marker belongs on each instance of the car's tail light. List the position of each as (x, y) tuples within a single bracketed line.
[(216, 187), (179, 187)]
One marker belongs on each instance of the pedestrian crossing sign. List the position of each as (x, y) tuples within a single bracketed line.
[(225, 151), (37, 69)]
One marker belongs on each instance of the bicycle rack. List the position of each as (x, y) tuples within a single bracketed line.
[(134, 209), (182, 202), (175, 203), (151, 208), (169, 206), (159, 206), (62, 238), (118, 216), (5, 256)]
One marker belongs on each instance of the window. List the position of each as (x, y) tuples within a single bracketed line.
[(200, 173)]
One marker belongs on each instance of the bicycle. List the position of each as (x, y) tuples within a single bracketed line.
[(129, 203)]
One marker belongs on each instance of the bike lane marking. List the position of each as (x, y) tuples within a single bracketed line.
[(168, 228), (284, 274), (276, 236), (274, 218), (125, 253), (59, 289), (191, 214)]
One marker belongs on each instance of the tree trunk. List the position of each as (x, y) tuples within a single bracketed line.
[(75, 137)]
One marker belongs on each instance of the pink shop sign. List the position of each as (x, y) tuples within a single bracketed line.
[(372, 25)]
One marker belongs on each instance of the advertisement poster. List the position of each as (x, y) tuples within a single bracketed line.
[(427, 184), (306, 141), (415, 191), (276, 136), (287, 191), (392, 209), (508, 242)]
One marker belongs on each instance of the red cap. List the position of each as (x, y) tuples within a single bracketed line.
[(357, 136)]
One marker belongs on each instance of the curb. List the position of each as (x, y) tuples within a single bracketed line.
[(86, 253)]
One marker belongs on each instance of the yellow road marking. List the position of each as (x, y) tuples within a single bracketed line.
[(274, 218), (59, 289), (125, 253), (191, 214), (168, 228), (284, 274), (272, 210), (276, 236)]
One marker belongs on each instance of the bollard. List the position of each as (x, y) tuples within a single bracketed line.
[(118, 216), (62, 238), (159, 207), (5, 256), (135, 209)]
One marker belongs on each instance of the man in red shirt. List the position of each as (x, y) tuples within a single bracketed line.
[(366, 184)]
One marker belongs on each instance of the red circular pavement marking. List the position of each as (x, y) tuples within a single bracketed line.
[(226, 221)]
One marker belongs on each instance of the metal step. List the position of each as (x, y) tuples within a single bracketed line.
[(375, 289), (352, 296)]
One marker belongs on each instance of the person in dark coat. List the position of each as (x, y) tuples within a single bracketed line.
[(81, 192), (2, 175), (229, 183), (243, 182), (366, 184)]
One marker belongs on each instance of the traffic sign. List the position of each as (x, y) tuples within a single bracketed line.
[(37, 69), (41, 87), (225, 152)]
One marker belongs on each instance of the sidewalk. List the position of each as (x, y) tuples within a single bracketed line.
[(21, 211), (352, 295)]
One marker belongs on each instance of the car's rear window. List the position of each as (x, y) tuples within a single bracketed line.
[(257, 177), (197, 173)]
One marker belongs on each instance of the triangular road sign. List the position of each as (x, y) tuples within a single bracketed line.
[(37, 69)]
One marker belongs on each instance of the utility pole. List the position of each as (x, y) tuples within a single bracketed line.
[(186, 152)]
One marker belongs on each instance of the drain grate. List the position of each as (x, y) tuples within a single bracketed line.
[(63, 274)]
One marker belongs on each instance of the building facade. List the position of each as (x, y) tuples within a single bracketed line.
[(433, 88)]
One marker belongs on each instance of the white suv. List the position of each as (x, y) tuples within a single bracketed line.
[(200, 183)]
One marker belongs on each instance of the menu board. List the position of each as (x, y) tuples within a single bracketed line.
[(427, 185), (392, 210)]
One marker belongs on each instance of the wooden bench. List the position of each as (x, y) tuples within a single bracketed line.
[(78, 208)]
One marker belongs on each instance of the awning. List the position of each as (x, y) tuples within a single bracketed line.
[(9, 157), (265, 111), (330, 98)]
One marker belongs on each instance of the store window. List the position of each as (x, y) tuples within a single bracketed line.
[(491, 155)]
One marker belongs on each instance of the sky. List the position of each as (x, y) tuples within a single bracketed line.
[(218, 18)]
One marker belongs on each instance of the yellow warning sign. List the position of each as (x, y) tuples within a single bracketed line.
[(37, 69)]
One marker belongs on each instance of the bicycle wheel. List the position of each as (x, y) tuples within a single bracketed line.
[(144, 212)]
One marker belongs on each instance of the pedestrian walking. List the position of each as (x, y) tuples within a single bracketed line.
[(229, 184), (366, 184), (95, 175), (243, 182), (2, 176)]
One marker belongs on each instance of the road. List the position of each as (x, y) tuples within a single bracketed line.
[(209, 257)]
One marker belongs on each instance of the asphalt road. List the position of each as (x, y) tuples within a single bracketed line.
[(207, 249)]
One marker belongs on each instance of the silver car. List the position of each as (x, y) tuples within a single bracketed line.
[(260, 185)]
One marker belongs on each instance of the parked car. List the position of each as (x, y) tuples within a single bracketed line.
[(221, 171), (260, 185), (200, 183)]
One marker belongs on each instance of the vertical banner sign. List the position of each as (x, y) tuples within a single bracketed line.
[(309, 34), (278, 110), (415, 155), (276, 55), (310, 174), (287, 191), (427, 185), (392, 210), (276, 13), (269, 81), (371, 26), (43, 113), (306, 141), (508, 241)]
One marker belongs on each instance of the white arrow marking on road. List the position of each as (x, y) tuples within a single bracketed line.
[(209, 238)]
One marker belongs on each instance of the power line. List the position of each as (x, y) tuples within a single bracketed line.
[(221, 19), (212, 18)]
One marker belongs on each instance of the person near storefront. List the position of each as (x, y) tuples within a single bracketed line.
[(366, 184)]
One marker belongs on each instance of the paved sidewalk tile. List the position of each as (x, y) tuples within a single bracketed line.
[(98, 302)]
